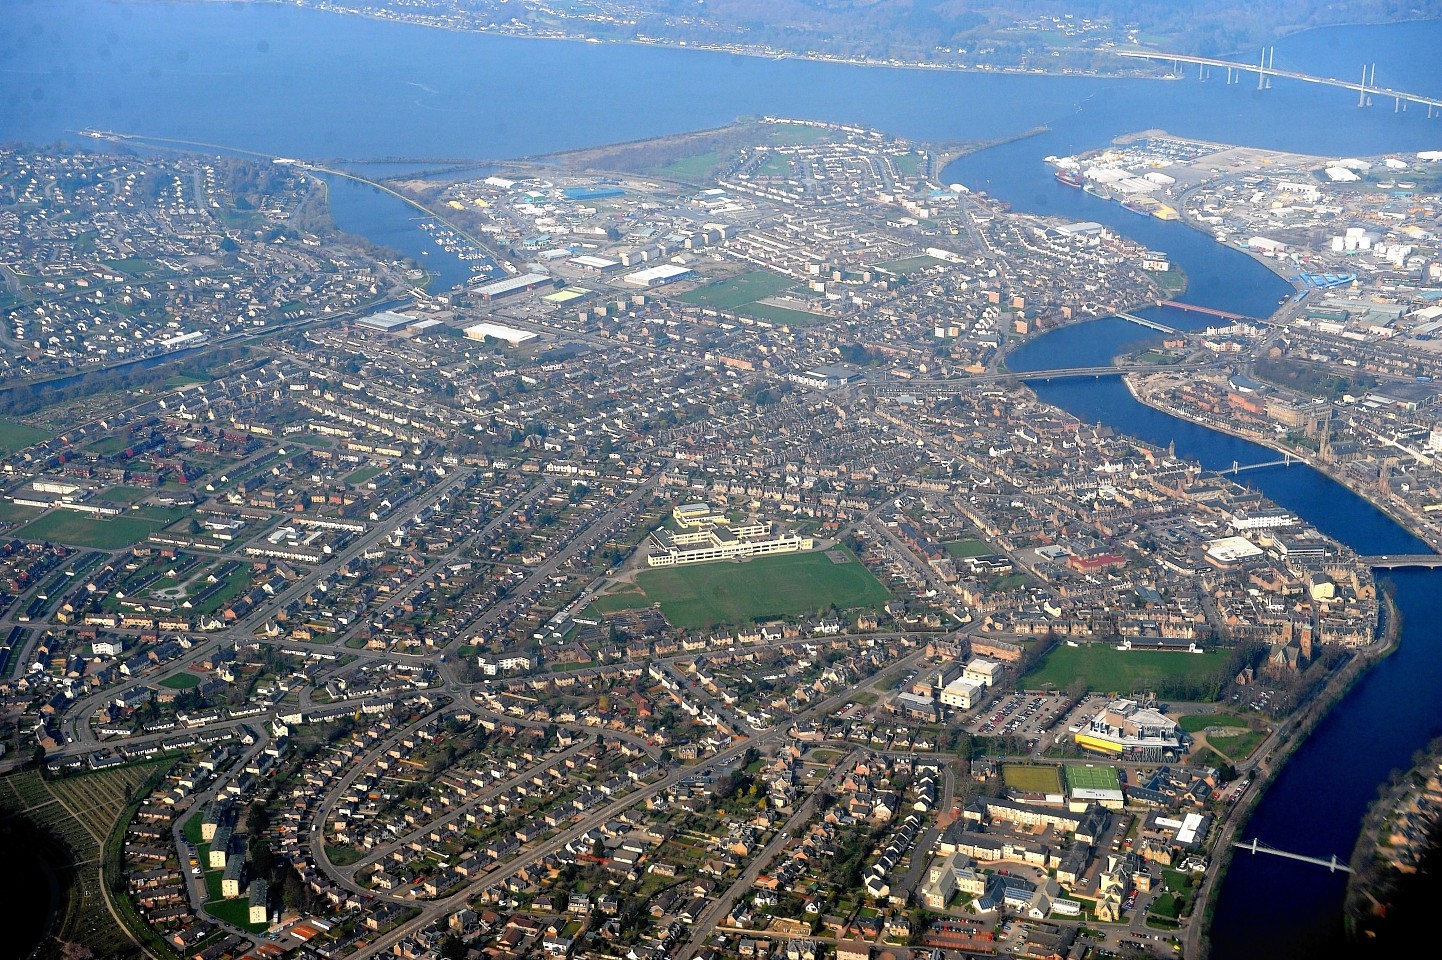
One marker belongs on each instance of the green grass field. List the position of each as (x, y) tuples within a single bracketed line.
[(1200, 721), (908, 264), (692, 169), (17, 436), (616, 602), (908, 164), (181, 681), (106, 446), (17, 513), (708, 594), (739, 291), (1081, 777), (83, 530), (1105, 669), (125, 494), (968, 548), (782, 316), (235, 911), (1238, 746), (776, 165), (1030, 779), (364, 474)]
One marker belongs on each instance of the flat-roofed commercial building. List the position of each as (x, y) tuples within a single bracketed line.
[(512, 285), (498, 332), (658, 275)]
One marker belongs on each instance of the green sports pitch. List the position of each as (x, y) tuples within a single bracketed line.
[(703, 595), (1031, 779), (1079, 777)]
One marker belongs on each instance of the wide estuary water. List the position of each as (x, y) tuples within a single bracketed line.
[(287, 82)]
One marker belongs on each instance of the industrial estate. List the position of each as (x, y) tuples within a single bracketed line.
[(696, 581)]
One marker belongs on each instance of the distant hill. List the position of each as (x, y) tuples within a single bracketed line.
[(1036, 34)]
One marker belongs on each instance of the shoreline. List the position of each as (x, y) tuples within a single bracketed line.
[(1310, 460), (1289, 736), (761, 54)]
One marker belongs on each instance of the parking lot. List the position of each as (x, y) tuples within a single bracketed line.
[(1018, 714)]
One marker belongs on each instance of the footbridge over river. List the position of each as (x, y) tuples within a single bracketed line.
[(1257, 846)]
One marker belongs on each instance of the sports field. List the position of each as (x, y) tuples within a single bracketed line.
[(740, 290), (84, 530), (1104, 668), (1029, 779), (968, 548), (1081, 777), (705, 595)]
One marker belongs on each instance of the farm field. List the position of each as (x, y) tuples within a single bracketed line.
[(1029, 779), (1105, 669), (83, 530), (708, 594)]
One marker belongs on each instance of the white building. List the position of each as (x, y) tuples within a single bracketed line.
[(984, 672)]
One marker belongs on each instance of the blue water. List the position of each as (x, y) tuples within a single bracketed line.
[(290, 82)]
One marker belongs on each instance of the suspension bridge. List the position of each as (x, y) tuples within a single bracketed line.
[(1256, 846), (1236, 468)]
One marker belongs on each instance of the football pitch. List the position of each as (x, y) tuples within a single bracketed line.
[(704, 595), (1080, 777)]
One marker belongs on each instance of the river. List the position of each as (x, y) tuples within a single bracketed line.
[(302, 83)]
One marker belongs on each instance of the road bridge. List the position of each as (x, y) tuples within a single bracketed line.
[(1209, 311), (934, 387), (1397, 561), (1265, 70), (1257, 846), (1149, 324)]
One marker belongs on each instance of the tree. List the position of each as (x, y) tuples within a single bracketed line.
[(294, 892), (453, 947)]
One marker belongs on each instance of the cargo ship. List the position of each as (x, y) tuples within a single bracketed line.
[(1069, 178)]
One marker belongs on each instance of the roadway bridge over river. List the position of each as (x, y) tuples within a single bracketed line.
[(934, 387), (1265, 70), (1397, 561)]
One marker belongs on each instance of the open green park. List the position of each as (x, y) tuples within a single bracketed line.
[(1195, 722), (1103, 668), (704, 595)]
